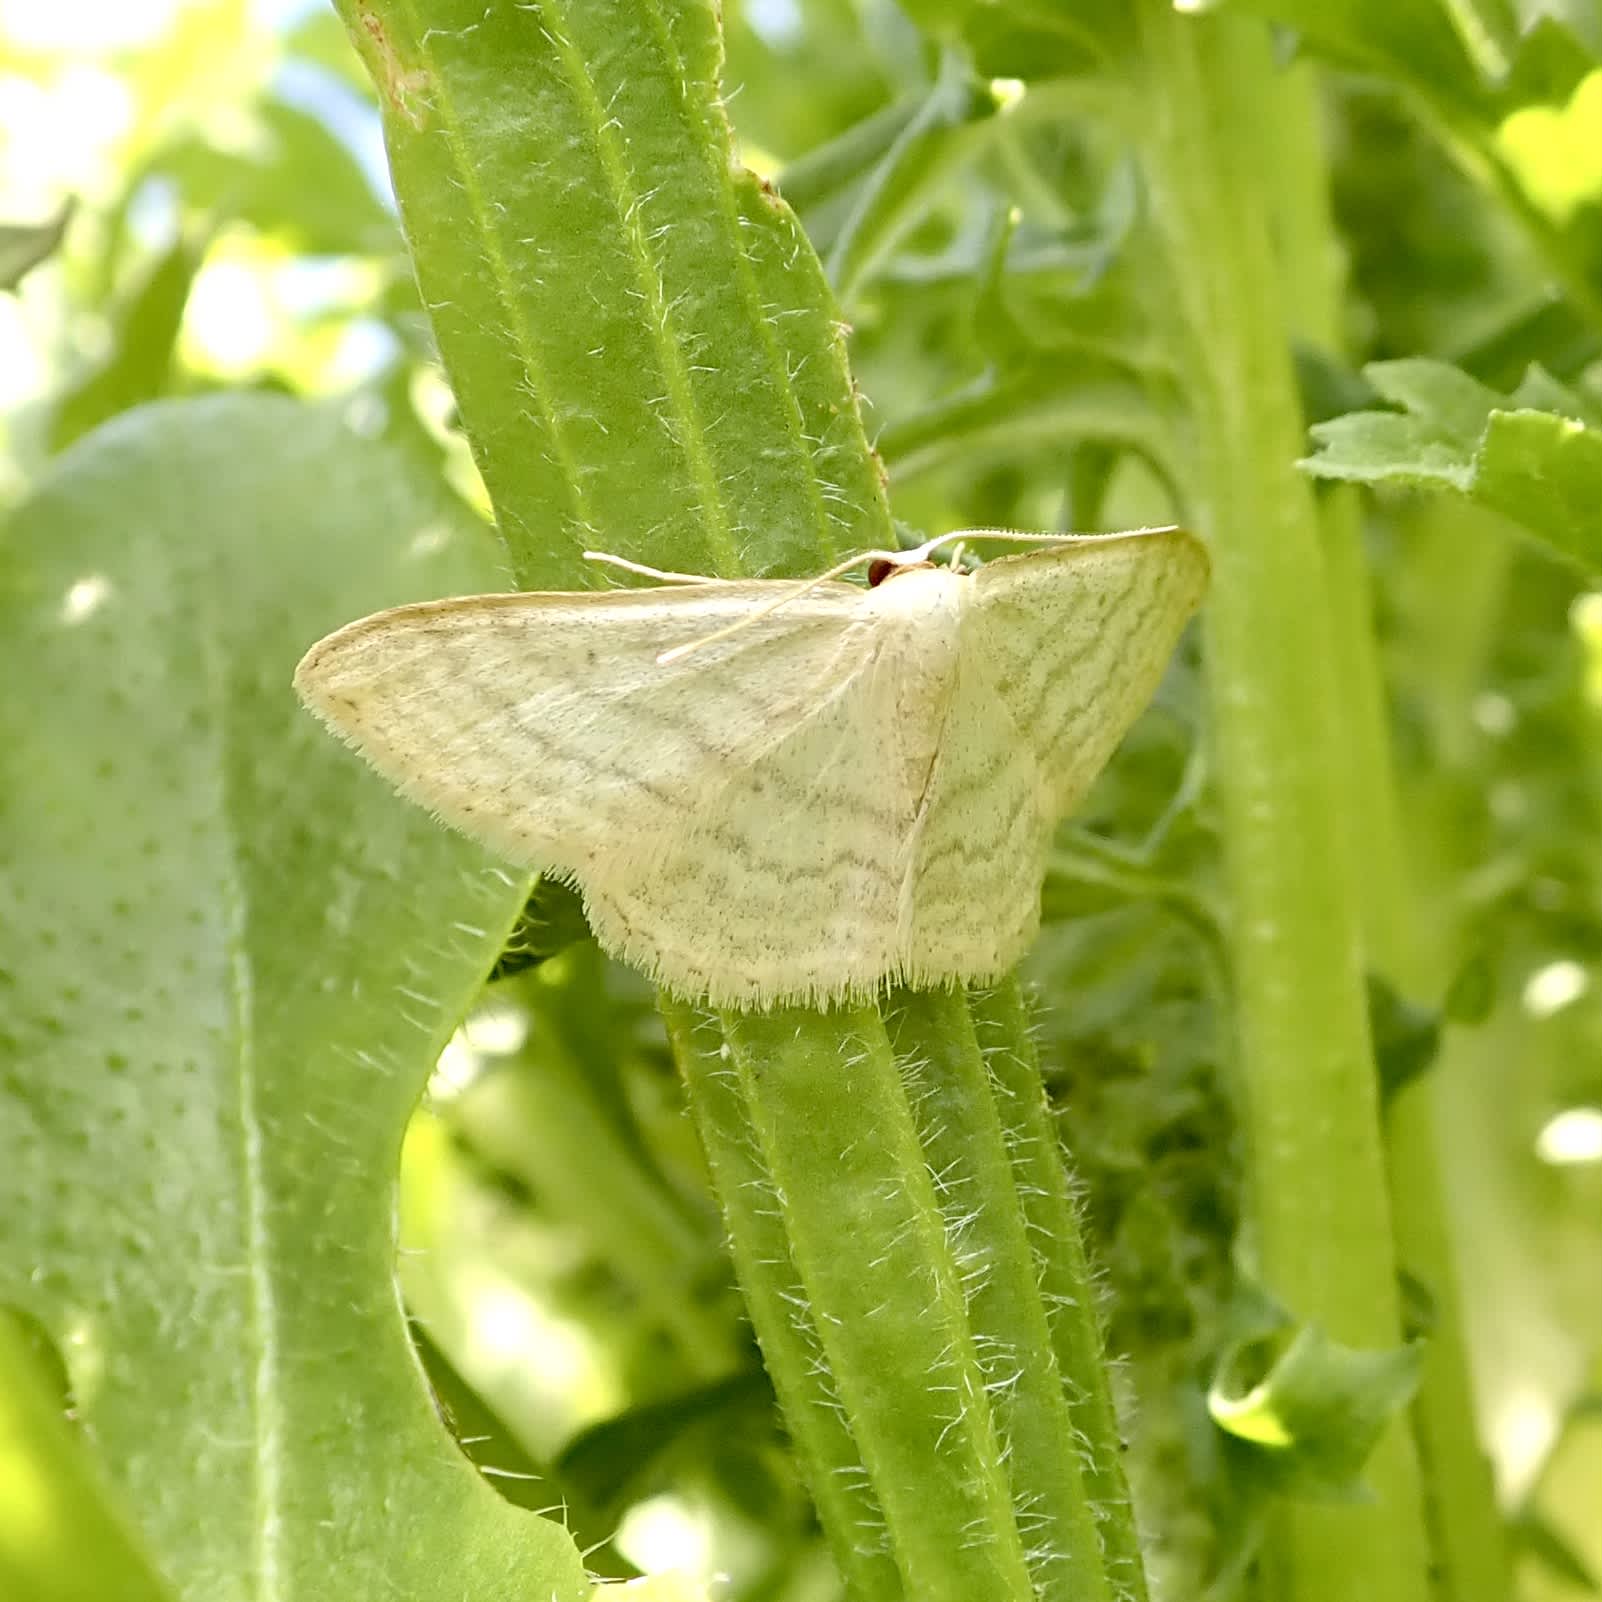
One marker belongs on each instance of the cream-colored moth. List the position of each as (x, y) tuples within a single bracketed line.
[(771, 791)]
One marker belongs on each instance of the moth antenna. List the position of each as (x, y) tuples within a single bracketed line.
[(907, 558), (901, 559), (664, 574), (1024, 537)]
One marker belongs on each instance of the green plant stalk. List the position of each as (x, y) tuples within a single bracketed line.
[(647, 358), (842, 1142), (1063, 1272), (1458, 51), (1320, 1229), (1461, 561), (1467, 1540), (837, 1144), (1466, 1528), (971, 1153), (1484, 26), (903, 1231), (782, 1312)]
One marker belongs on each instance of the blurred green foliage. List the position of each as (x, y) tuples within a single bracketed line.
[(562, 1255)]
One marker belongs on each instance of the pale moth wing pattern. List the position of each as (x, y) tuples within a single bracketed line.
[(834, 789)]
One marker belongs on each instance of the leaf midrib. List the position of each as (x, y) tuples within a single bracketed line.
[(268, 1434), (500, 273)]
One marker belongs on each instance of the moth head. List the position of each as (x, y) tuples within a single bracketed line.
[(886, 567)]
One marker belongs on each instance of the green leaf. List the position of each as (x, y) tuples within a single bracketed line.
[(1553, 53), (1413, 44), (1582, 18), (24, 245), (1037, 405), (1545, 1543), (1028, 38), (1531, 49), (1309, 1409), (494, 1449), (1407, 1036), (645, 352), (1473, 59), (823, 172), (144, 335), (290, 177), (1329, 388), (1471, 994), (1044, 296), (939, 17), (228, 959), (945, 130), (797, 86), (1515, 94), (1553, 334), (1540, 468), (612, 1462), (1036, 39)]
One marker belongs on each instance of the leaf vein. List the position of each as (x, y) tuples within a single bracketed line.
[(500, 273), (628, 202)]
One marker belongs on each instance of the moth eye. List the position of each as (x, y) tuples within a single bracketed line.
[(879, 569)]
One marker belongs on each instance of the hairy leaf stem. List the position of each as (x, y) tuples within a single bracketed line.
[(829, 1113), (903, 1228), (647, 356)]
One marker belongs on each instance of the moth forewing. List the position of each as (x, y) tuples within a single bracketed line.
[(832, 789), (544, 725), (972, 895), (1076, 638)]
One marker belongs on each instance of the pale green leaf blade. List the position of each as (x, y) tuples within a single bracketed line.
[(230, 957), (1540, 468), (1381, 447), (1453, 402), (1545, 472)]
